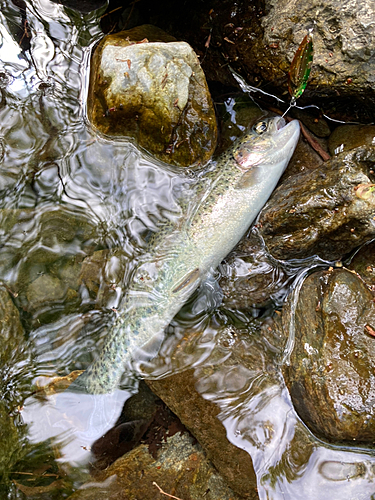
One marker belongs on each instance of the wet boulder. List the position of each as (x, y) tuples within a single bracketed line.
[(327, 211), (147, 86), (363, 263), (349, 137), (331, 371)]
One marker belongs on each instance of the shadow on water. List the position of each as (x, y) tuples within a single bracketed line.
[(76, 212)]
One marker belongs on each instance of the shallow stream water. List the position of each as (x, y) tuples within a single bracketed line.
[(68, 194)]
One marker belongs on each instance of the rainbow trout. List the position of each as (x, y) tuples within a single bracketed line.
[(179, 260)]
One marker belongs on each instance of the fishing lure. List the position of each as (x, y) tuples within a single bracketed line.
[(300, 68)]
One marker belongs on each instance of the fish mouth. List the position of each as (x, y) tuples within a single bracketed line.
[(279, 122), (281, 131), (285, 137), (290, 131)]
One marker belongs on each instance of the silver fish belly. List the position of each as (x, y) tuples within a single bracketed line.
[(238, 187)]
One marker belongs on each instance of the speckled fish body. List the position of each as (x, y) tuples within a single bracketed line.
[(235, 191)]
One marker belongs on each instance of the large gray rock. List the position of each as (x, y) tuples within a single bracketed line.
[(154, 92)]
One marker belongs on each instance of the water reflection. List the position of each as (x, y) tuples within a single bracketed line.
[(241, 375), (72, 421), (76, 209)]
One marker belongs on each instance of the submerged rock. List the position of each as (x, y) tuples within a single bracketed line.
[(331, 373), (47, 289), (141, 414), (180, 469), (200, 416), (203, 398), (154, 92), (44, 249), (322, 211), (14, 383), (14, 352), (295, 457), (14, 447), (102, 274)]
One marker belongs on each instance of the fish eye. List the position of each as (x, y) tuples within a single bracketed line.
[(260, 127)]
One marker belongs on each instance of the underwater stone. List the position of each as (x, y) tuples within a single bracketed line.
[(331, 371), (12, 339), (15, 383), (45, 289), (102, 272), (201, 418), (180, 467), (154, 92), (197, 396)]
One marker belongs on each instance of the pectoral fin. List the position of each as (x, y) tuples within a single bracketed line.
[(188, 280), (250, 178)]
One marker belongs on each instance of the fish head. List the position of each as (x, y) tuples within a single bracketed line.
[(271, 142)]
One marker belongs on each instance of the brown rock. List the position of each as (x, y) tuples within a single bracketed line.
[(320, 212), (331, 374), (364, 264), (200, 417), (349, 137), (180, 469)]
